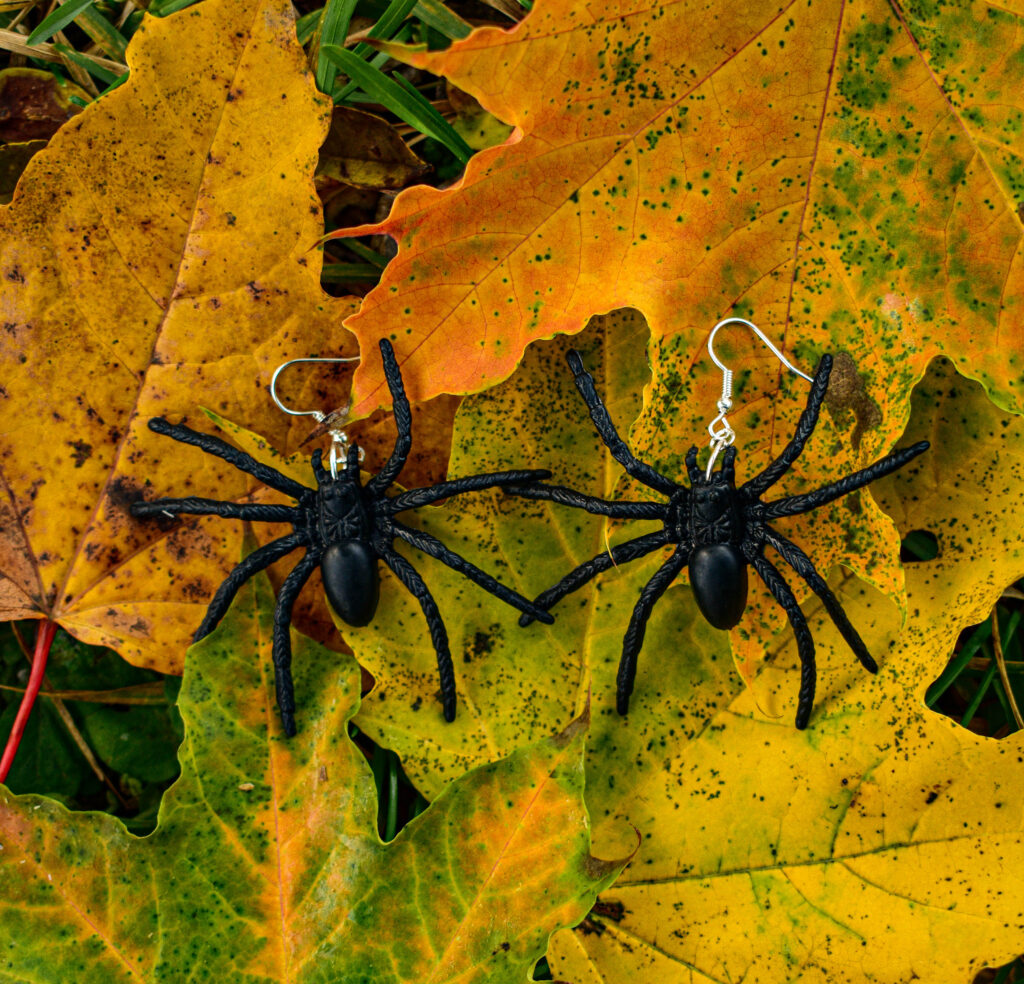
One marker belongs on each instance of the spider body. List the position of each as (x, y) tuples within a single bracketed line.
[(346, 528), (718, 530), (341, 529)]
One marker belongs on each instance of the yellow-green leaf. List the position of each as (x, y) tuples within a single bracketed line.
[(872, 847), (266, 864)]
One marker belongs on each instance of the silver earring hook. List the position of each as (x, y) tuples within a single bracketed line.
[(339, 439), (722, 435)]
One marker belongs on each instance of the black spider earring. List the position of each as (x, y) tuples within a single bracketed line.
[(716, 528), (345, 528)]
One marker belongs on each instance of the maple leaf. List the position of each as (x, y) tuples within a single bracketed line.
[(872, 847), (845, 170), (266, 865), (178, 274)]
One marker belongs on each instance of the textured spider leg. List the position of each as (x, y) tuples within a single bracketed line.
[(256, 561), (621, 554), (195, 506), (795, 504), (403, 420), (457, 486), (804, 643), (801, 563), (600, 507), (435, 548), (283, 641), (319, 472), (415, 585), (234, 457), (692, 468), (603, 422), (760, 484), (634, 637), (729, 464)]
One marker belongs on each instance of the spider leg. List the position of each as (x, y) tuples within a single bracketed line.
[(403, 420), (759, 484), (621, 554), (415, 498), (194, 506), (634, 637), (436, 549), (415, 585), (804, 643), (319, 472), (795, 504), (256, 561), (801, 563), (233, 456), (283, 641), (603, 422), (692, 468), (600, 507)]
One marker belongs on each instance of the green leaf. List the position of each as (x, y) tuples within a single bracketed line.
[(403, 100), (871, 847), (266, 864), (335, 18), (47, 760), (58, 19), (139, 741)]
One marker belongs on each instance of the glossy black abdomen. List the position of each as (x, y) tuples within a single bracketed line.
[(718, 576), (351, 581)]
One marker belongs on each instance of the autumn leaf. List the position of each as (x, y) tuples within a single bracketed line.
[(179, 274), (366, 151), (266, 864), (847, 172), (872, 847), (33, 104)]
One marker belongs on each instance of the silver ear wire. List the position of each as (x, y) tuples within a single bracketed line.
[(339, 439), (722, 435)]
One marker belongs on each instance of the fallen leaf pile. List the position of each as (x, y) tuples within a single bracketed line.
[(846, 173)]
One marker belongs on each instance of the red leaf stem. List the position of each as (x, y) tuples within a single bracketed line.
[(44, 638)]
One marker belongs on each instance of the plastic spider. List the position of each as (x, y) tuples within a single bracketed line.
[(718, 530), (344, 527)]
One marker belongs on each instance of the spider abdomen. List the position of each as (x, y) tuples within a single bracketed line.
[(351, 581), (718, 576)]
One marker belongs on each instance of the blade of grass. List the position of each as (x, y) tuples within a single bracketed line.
[(972, 707), (402, 100), (391, 822), (334, 22), (387, 25), (164, 7), (103, 33), (15, 42), (58, 19), (140, 693), (342, 273), (107, 77), (343, 93), (958, 664), (435, 14), (386, 28), (307, 24), (365, 253), (75, 69)]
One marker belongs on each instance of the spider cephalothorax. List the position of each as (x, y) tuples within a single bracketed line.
[(345, 527), (717, 530)]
